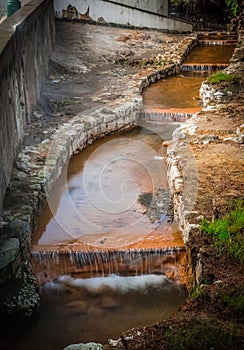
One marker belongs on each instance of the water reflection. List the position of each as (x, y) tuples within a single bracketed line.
[(95, 309), (98, 203), (210, 54), (179, 92)]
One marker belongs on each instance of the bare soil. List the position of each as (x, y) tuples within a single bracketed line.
[(91, 66)]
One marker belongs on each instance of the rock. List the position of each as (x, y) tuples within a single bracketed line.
[(165, 143), (8, 252), (115, 343), (209, 138), (84, 346), (22, 302)]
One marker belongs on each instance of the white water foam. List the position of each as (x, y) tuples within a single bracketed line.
[(114, 282)]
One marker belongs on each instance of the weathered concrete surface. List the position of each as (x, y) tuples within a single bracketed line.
[(24, 52), (144, 15), (157, 6)]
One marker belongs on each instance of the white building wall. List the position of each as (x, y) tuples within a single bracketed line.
[(111, 12)]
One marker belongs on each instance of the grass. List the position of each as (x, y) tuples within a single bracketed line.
[(218, 77), (196, 292), (235, 301), (228, 232), (201, 335)]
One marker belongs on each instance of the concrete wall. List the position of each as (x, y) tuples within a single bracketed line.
[(156, 6), (105, 11), (25, 44)]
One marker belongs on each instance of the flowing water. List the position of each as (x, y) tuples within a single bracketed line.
[(177, 98), (105, 255)]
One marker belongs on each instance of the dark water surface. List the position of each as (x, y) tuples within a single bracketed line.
[(95, 309)]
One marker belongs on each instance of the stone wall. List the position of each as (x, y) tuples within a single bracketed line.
[(104, 11), (213, 96), (24, 50)]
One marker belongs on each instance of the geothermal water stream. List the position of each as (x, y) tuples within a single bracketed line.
[(104, 254)]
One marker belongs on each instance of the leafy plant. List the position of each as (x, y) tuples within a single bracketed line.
[(227, 232), (233, 5), (218, 77)]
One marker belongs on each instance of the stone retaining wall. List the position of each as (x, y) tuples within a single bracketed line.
[(211, 94)]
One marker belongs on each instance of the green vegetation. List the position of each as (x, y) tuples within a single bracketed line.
[(234, 301), (233, 5), (196, 292), (228, 232), (232, 298), (219, 77), (201, 335)]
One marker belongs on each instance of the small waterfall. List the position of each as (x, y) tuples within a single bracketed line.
[(164, 116), (216, 42), (48, 265), (203, 66)]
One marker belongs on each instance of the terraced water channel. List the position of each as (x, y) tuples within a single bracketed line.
[(105, 255)]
